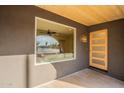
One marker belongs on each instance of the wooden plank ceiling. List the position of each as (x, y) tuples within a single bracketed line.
[(87, 14)]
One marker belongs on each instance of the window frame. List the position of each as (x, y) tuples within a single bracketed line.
[(39, 18)]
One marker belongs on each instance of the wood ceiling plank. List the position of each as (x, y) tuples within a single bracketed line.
[(121, 8), (65, 11), (93, 15), (82, 15), (87, 14)]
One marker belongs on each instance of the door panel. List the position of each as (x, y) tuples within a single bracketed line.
[(99, 49)]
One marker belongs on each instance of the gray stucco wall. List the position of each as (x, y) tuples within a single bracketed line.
[(17, 39)]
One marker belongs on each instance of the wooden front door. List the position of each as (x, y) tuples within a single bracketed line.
[(99, 49)]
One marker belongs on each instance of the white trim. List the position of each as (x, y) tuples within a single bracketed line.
[(36, 18), (37, 64)]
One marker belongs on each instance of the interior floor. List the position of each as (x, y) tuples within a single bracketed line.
[(86, 78)]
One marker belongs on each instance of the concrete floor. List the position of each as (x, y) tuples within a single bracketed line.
[(86, 78)]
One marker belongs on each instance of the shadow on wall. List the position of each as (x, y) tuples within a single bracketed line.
[(43, 73), (64, 68), (40, 74), (20, 71)]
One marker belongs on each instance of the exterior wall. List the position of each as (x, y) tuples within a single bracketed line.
[(17, 31)]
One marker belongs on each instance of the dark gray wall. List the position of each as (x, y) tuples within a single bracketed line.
[(17, 38), (115, 45)]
